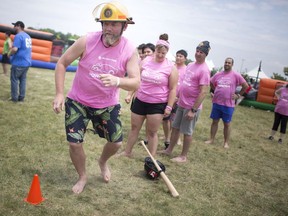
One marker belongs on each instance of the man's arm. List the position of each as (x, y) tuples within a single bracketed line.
[(12, 51), (204, 89), (242, 91), (74, 52), (132, 81)]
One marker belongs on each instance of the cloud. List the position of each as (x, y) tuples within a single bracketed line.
[(252, 30)]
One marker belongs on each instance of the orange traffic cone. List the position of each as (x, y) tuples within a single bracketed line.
[(35, 197)]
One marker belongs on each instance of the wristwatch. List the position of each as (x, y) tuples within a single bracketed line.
[(194, 110)]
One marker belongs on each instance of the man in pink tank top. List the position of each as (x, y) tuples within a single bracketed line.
[(105, 57)]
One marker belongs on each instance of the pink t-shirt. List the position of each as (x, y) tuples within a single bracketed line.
[(282, 104), (154, 87), (196, 75), (225, 84), (181, 71), (87, 88)]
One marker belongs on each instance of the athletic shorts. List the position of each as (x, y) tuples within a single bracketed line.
[(223, 112), (183, 124), (5, 59), (142, 108), (106, 122)]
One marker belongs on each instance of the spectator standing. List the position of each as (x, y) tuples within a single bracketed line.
[(155, 97), (20, 61), (194, 88), (6, 48), (280, 114), (180, 60), (224, 84)]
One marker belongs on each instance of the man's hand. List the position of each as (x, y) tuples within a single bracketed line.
[(190, 115), (58, 103), (109, 80)]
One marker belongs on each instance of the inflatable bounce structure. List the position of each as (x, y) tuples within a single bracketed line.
[(45, 49), (265, 97)]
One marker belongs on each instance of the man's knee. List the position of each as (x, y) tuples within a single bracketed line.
[(215, 121), (75, 146)]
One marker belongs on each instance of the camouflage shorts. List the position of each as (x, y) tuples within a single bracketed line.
[(106, 122)]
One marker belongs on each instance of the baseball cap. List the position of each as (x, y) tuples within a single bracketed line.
[(19, 23)]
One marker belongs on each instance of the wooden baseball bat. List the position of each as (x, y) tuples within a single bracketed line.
[(168, 183)]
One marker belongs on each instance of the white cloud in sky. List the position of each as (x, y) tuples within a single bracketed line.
[(247, 30)]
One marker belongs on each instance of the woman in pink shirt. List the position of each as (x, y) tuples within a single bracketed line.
[(155, 97), (280, 114)]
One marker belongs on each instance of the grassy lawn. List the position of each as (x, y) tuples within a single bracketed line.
[(250, 178)]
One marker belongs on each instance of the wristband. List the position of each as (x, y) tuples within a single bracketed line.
[(118, 82), (169, 108)]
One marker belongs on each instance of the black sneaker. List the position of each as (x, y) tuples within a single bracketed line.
[(280, 141), (270, 137), (166, 143)]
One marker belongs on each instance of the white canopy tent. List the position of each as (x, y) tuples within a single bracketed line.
[(253, 73), (210, 64), (170, 56)]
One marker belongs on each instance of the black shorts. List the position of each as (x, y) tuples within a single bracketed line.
[(5, 59), (142, 108)]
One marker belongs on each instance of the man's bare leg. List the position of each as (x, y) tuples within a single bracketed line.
[(185, 149), (213, 131), (109, 150), (227, 129), (175, 134), (78, 159), (166, 124)]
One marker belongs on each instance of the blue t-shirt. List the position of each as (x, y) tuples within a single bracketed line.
[(22, 57)]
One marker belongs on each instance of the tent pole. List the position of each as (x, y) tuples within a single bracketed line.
[(259, 69)]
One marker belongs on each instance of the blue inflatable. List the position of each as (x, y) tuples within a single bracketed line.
[(49, 65)]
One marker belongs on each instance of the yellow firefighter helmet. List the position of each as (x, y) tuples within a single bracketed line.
[(112, 11)]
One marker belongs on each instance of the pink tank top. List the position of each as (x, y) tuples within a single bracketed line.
[(154, 87), (87, 88)]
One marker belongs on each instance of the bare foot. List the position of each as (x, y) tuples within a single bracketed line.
[(226, 145), (105, 172), (123, 154), (164, 152), (209, 142), (79, 186), (179, 159)]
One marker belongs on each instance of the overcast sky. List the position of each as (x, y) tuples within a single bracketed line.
[(248, 31)]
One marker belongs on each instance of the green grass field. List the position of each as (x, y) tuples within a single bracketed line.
[(250, 178)]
